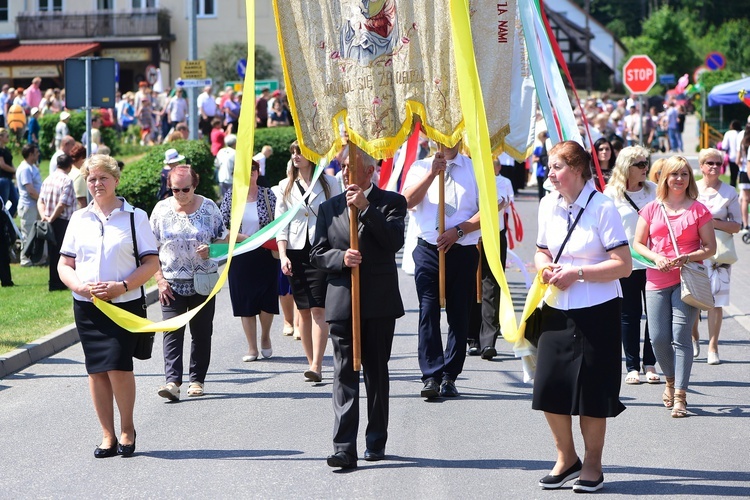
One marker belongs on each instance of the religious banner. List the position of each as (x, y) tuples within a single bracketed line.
[(375, 64)]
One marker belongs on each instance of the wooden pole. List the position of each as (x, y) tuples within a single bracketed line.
[(441, 230), (355, 171), (479, 273)]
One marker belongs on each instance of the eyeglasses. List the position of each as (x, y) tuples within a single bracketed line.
[(640, 164), (183, 190), (712, 163)]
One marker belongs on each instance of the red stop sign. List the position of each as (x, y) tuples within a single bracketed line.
[(639, 74)]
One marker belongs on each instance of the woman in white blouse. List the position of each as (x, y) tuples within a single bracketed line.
[(723, 202), (295, 241), (630, 191), (97, 260), (185, 224), (579, 373)]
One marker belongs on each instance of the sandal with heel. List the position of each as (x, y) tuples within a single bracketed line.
[(668, 396), (679, 410)]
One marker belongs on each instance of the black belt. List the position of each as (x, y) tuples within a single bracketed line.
[(423, 243)]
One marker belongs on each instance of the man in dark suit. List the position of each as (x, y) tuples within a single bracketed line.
[(381, 235)]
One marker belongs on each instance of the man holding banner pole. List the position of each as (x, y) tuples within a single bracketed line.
[(441, 366), (380, 236)]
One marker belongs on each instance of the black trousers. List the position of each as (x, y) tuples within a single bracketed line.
[(201, 330), (5, 277), (59, 226), (484, 325), (376, 342), (460, 283), (734, 171)]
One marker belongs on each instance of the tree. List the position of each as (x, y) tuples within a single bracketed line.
[(221, 62)]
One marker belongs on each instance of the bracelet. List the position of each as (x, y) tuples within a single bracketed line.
[(125, 284)]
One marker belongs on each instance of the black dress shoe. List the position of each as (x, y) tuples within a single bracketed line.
[(430, 390), (127, 450), (341, 460), (581, 486), (489, 352), (473, 348), (550, 482), (374, 455), (448, 389), (100, 452)]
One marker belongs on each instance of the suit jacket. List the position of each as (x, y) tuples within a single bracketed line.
[(302, 226), (381, 235)]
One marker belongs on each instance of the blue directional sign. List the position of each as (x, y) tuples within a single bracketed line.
[(715, 61), (201, 82), (668, 79), (241, 66)]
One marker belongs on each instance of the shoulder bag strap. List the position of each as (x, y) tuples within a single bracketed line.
[(632, 204), (570, 231), (135, 252), (671, 233)]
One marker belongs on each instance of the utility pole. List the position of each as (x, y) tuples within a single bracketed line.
[(588, 48), (192, 56)]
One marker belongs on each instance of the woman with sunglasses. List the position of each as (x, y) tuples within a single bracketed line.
[(185, 224), (671, 319), (630, 191), (723, 202)]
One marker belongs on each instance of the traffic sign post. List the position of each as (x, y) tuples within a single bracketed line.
[(241, 67), (715, 61), (196, 82), (639, 74)]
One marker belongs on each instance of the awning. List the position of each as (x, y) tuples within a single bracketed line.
[(46, 53)]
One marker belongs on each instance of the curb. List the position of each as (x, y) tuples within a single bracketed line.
[(28, 354)]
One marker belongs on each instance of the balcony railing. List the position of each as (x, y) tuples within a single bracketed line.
[(103, 24)]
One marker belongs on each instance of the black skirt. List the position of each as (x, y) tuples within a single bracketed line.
[(578, 373), (253, 283), (308, 283), (106, 346)]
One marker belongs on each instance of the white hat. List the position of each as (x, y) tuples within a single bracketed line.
[(64, 115), (34, 111), (172, 156)]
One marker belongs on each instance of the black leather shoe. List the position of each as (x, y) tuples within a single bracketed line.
[(127, 450), (581, 486), (106, 452), (431, 389), (374, 455), (473, 348), (448, 389), (489, 352), (341, 460), (550, 482)]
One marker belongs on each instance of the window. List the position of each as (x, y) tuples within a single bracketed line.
[(48, 5), (143, 4), (105, 4), (205, 8), (3, 10)]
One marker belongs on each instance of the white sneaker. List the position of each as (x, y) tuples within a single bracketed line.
[(713, 358), (696, 348)]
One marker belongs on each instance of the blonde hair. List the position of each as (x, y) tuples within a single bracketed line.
[(621, 171), (100, 162), (707, 153), (671, 165), (655, 170)]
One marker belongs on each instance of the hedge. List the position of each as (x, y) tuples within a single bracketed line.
[(279, 138), (140, 180), (77, 127)]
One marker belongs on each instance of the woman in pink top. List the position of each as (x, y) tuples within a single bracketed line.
[(670, 319)]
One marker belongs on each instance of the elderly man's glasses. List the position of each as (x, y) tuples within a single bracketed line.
[(640, 164), (181, 190), (712, 163)]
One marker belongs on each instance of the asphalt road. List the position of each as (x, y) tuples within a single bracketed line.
[(262, 432)]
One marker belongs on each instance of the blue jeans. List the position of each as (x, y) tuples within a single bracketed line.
[(8, 192), (675, 139), (671, 322)]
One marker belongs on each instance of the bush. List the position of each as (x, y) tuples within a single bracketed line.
[(77, 127), (140, 180), (279, 138)]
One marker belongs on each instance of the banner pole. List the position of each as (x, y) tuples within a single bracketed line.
[(355, 169)]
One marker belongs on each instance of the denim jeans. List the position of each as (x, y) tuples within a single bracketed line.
[(8, 192)]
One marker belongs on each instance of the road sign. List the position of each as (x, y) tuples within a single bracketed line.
[(241, 66), (102, 72), (236, 86), (715, 61), (639, 74), (668, 79), (697, 73), (192, 82), (152, 75), (193, 70), (266, 84)]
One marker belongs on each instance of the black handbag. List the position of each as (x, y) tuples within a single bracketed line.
[(533, 329), (144, 342)]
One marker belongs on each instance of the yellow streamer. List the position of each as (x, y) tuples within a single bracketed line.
[(241, 184), (477, 131)]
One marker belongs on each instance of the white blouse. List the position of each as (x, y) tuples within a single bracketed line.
[(628, 214), (598, 232), (103, 246)]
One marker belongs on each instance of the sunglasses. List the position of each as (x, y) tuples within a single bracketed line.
[(640, 164), (712, 163), (183, 190)]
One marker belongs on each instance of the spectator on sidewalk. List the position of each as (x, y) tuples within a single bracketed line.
[(78, 154), (264, 154), (8, 190), (61, 130), (66, 145), (224, 163), (29, 184)]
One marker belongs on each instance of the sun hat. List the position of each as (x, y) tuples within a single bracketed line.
[(172, 156), (64, 115), (34, 111)]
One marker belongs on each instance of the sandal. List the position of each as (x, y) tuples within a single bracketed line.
[(679, 409), (668, 396), (195, 389), (651, 376), (633, 378)]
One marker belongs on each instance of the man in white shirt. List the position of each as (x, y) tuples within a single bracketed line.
[(66, 144), (441, 366), (224, 163), (730, 145), (265, 153), (208, 109), (29, 183)]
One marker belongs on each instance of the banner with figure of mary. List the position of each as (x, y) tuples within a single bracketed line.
[(376, 63)]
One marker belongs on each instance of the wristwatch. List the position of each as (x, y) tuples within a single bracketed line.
[(459, 232), (580, 274)]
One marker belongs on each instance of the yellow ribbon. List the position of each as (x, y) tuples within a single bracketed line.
[(241, 184)]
